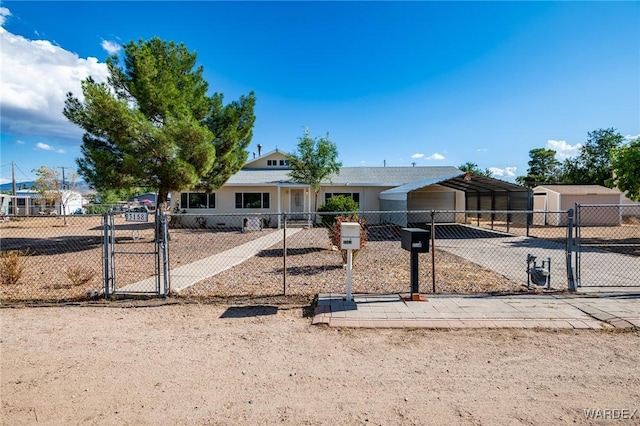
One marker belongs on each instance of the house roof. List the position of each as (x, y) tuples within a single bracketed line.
[(579, 189), (351, 176)]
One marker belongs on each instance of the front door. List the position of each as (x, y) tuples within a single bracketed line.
[(297, 204)]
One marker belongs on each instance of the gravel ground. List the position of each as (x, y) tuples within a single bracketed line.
[(211, 364)]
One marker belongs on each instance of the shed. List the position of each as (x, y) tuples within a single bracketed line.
[(552, 201)]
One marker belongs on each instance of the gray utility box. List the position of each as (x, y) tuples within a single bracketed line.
[(415, 240)]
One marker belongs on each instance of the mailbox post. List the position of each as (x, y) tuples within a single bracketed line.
[(415, 240), (349, 240)]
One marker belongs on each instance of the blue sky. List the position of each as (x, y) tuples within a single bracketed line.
[(430, 83)]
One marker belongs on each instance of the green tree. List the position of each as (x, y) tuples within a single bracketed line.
[(51, 188), (315, 160), (592, 166), (153, 125), (470, 167), (543, 168), (625, 163), (337, 204)]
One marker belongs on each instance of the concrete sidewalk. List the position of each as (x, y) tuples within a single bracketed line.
[(565, 311)]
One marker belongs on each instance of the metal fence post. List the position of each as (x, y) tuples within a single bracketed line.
[(105, 240), (165, 253), (433, 251), (577, 246), (569, 249)]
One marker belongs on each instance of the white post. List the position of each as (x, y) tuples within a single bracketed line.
[(349, 272)]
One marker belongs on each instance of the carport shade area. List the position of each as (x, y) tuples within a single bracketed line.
[(485, 193), (480, 192)]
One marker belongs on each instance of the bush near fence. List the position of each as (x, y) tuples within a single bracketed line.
[(66, 262)]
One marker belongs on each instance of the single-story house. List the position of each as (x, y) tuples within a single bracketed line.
[(28, 202), (554, 200), (263, 187)]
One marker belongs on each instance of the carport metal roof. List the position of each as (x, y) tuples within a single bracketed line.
[(469, 182)]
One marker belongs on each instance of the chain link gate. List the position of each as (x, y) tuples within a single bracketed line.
[(136, 255), (607, 245)]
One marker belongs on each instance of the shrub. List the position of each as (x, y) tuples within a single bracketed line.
[(97, 208), (12, 264), (337, 204), (334, 235), (79, 275)]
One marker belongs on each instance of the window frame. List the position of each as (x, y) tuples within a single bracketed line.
[(242, 204), (210, 198)]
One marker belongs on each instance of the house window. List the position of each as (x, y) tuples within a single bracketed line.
[(284, 162), (252, 200), (197, 200), (355, 196), (275, 163)]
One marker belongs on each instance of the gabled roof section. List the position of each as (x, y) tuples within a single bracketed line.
[(388, 176), (579, 189), (261, 162), (260, 176), (348, 176)]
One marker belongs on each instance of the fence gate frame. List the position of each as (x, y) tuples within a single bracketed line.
[(579, 247), (160, 252)]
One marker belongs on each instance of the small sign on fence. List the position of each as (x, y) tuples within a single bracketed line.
[(136, 216)]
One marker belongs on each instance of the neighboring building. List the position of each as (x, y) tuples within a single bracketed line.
[(263, 188), (554, 200), (28, 202)]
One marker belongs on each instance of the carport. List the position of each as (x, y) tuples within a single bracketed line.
[(479, 195)]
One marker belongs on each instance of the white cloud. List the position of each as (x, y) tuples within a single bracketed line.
[(36, 75), (111, 47), (4, 12), (435, 156), (19, 142), (563, 149), (481, 149), (4, 180), (506, 172), (417, 155), (632, 137), (43, 147)]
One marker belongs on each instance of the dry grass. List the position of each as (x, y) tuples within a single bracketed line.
[(12, 265)]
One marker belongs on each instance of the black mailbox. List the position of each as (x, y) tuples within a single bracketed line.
[(415, 240)]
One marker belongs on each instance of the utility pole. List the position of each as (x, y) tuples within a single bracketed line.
[(14, 201), (63, 176), (13, 178)]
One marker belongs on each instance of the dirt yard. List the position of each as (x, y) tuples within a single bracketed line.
[(208, 364)]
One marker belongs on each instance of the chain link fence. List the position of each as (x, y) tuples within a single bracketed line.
[(608, 245), (221, 256)]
